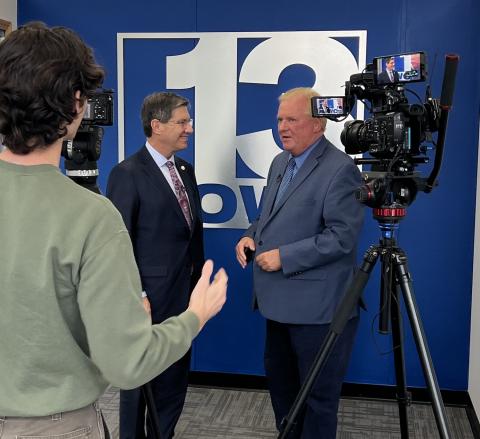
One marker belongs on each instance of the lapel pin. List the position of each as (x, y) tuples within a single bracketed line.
[(182, 168)]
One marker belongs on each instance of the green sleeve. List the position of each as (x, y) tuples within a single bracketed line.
[(123, 344)]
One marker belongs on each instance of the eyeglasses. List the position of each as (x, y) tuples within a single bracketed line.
[(182, 122)]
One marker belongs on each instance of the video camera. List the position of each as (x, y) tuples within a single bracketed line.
[(81, 153), (395, 133)]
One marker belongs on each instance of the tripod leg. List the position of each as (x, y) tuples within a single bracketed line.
[(342, 314), (385, 291), (403, 396), (404, 280)]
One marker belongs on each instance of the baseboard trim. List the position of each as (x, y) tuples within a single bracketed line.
[(473, 419), (349, 390), (228, 380), (419, 395)]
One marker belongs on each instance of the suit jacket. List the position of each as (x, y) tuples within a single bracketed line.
[(383, 77), (169, 256), (315, 225)]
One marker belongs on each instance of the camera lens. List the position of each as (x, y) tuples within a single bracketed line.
[(354, 137)]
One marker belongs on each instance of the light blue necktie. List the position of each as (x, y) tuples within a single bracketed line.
[(290, 172)]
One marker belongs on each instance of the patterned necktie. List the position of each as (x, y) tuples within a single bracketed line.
[(180, 193), (290, 172)]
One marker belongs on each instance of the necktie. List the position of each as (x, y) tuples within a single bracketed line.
[(390, 74), (180, 193), (290, 172)]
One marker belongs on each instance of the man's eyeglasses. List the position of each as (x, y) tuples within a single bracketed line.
[(182, 122)]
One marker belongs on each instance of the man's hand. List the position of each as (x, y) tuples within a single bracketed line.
[(207, 298), (146, 305), (269, 261), (243, 244)]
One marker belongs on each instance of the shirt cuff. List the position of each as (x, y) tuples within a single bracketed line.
[(144, 294)]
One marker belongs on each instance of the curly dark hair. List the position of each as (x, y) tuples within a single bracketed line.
[(41, 69)]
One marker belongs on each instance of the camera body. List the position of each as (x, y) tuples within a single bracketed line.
[(81, 153), (381, 135), (394, 134), (99, 109)]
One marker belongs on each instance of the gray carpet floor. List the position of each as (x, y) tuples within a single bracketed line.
[(212, 413)]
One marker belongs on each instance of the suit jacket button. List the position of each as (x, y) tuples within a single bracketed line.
[(260, 242)]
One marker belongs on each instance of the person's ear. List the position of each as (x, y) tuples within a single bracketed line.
[(79, 102), (156, 126)]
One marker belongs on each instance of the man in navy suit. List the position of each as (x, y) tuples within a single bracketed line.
[(305, 253), (156, 193), (389, 75)]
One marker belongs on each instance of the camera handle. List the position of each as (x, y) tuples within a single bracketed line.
[(446, 98), (394, 261)]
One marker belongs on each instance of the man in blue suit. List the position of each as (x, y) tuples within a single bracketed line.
[(305, 253), (157, 195), (389, 75)]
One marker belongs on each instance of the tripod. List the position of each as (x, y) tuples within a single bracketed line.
[(396, 280)]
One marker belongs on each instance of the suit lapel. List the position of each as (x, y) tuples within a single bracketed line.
[(276, 179), (301, 175), (308, 166)]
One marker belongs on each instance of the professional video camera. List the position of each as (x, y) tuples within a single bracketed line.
[(395, 133), (81, 153)]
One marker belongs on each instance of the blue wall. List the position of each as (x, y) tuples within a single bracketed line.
[(438, 231)]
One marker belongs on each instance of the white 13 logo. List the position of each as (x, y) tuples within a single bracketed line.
[(211, 68)]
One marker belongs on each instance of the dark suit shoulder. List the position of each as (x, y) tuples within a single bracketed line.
[(337, 154), (335, 162), (132, 161), (280, 157)]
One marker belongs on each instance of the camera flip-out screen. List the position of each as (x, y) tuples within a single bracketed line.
[(99, 109), (407, 67), (328, 106)]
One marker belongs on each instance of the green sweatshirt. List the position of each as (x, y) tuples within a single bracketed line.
[(71, 317)]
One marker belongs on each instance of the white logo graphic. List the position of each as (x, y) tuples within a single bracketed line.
[(211, 68)]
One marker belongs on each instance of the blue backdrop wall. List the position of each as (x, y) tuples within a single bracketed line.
[(438, 231)]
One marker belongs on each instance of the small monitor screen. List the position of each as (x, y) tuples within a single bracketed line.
[(393, 69), (328, 106), (89, 111)]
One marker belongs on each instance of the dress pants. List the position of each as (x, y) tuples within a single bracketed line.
[(169, 390), (290, 350)]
